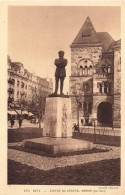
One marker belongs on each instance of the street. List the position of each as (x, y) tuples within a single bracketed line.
[(25, 123)]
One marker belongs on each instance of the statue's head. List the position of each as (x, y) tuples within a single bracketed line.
[(61, 53)]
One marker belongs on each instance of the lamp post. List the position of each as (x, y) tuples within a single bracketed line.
[(79, 105), (94, 120)]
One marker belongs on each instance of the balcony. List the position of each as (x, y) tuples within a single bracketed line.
[(11, 81), (102, 76), (11, 90)]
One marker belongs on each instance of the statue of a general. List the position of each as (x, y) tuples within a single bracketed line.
[(60, 73)]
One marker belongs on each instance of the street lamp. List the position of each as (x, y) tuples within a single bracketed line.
[(79, 105), (94, 121)]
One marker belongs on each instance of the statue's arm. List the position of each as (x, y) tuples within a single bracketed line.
[(56, 62), (59, 63), (66, 62)]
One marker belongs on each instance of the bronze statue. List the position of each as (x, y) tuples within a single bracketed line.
[(60, 73)]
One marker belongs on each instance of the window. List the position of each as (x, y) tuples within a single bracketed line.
[(18, 83), (104, 69), (22, 84), (13, 81), (85, 67), (108, 87), (105, 87), (81, 70), (90, 70), (85, 86), (109, 69), (17, 94), (99, 85), (100, 88), (82, 121), (90, 107), (85, 106), (86, 70), (86, 121), (86, 33)]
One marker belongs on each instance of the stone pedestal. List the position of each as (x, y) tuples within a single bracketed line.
[(57, 121), (57, 131), (58, 145)]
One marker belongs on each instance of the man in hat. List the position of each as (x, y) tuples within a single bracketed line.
[(60, 73)]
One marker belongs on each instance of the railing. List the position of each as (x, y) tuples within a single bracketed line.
[(101, 130), (102, 76)]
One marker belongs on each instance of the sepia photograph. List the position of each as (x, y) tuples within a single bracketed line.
[(64, 95), (62, 115)]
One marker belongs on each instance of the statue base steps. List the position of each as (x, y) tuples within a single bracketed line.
[(57, 145)]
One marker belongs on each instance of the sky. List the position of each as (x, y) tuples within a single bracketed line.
[(37, 33)]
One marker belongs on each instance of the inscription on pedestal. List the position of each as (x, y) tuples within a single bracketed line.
[(57, 121), (64, 121)]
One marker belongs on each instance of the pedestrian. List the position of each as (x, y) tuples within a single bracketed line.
[(12, 121), (76, 127), (20, 122)]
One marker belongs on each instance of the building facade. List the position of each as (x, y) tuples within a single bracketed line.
[(95, 81), (21, 83)]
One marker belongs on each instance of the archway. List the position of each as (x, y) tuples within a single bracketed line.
[(104, 114)]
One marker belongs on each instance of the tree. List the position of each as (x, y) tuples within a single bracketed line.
[(38, 103), (77, 94)]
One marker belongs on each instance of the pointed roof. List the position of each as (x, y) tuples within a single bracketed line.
[(87, 34)]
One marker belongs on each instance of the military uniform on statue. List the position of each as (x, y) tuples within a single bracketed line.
[(60, 73)]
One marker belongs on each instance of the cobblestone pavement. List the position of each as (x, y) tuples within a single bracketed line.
[(48, 163)]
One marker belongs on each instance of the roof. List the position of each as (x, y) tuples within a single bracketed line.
[(115, 44), (88, 36), (118, 43), (106, 40)]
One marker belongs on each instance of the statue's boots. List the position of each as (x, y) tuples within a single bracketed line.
[(61, 86), (56, 86)]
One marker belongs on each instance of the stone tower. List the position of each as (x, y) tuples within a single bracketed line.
[(92, 76)]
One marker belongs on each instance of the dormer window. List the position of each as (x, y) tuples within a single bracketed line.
[(86, 33)]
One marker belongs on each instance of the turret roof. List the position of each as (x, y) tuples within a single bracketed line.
[(87, 34)]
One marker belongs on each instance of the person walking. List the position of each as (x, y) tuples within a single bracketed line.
[(12, 121), (20, 122)]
